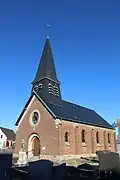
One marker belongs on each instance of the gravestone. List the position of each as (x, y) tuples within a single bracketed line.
[(60, 172), (5, 165), (19, 174), (86, 166), (41, 169), (109, 161), (63, 172)]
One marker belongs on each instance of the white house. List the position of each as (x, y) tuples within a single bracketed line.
[(7, 138)]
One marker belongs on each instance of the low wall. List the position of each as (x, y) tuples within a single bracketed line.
[(61, 158), (66, 157)]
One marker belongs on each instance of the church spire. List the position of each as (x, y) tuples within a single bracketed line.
[(46, 83), (46, 67)]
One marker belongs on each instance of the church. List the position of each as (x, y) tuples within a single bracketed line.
[(49, 126)]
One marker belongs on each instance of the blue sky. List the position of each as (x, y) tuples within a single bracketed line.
[(85, 38)]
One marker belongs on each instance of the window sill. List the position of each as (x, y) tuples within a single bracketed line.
[(67, 144), (84, 144), (98, 144)]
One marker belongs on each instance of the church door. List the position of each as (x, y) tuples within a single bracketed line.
[(36, 146)]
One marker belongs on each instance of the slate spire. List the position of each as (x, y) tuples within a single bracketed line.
[(46, 68), (46, 83)]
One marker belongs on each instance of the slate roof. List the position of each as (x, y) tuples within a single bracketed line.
[(76, 113), (9, 133), (70, 112), (46, 68)]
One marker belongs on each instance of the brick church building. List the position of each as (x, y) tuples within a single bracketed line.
[(52, 127)]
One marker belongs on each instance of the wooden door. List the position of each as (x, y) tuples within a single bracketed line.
[(36, 147)]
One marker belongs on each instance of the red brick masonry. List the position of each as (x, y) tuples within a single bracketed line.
[(52, 135)]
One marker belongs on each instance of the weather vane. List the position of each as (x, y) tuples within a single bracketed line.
[(47, 30)]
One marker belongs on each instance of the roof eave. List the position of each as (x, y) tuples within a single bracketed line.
[(16, 124), (35, 81), (81, 122), (43, 103)]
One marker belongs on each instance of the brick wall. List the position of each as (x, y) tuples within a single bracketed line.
[(46, 130), (53, 139), (75, 145)]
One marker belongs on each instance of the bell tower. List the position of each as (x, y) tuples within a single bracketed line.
[(46, 83)]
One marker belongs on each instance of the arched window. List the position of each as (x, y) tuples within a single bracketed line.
[(83, 136), (108, 137), (97, 137), (66, 136)]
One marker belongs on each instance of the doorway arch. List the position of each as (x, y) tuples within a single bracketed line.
[(34, 146)]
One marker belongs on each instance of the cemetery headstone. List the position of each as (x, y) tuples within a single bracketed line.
[(86, 166), (59, 172), (109, 161), (19, 174), (41, 169), (5, 165)]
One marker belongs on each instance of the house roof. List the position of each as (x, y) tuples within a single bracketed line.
[(46, 68), (71, 112), (9, 133)]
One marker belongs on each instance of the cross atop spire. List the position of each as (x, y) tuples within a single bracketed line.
[(47, 30), (46, 67)]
